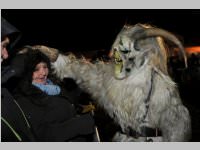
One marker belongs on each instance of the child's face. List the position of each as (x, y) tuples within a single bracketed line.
[(40, 74)]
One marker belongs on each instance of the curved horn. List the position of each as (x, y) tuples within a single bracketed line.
[(151, 32)]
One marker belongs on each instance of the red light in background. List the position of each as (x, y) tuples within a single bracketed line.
[(193, 49)]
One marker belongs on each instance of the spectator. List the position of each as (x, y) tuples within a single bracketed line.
[(51, 109), (14, 125)]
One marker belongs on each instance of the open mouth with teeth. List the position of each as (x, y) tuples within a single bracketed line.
[(118, 63)]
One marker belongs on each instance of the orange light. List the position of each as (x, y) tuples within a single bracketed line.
[(193, 49)]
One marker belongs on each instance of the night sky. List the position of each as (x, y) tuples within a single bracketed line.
[(84, 30), (94, 29)]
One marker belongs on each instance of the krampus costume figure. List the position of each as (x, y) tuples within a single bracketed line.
[(135, 89)]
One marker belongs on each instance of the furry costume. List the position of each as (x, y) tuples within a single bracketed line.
[(135, 90)]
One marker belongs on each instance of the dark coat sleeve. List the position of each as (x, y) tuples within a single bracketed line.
[(7, 73), (16, 68), (61, 122), (74, 127), (71, 90), (53, 118), (56, 120), (12, 114)]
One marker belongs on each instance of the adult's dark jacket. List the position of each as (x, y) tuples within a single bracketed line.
[(14, 126), (54, 118), (8, 30)]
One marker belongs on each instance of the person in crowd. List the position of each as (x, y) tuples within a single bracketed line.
[(14, 124), (53, 112)]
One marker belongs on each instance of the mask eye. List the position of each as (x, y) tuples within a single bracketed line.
[(125, 51), (136, 47), (131, 59), (128, 70)]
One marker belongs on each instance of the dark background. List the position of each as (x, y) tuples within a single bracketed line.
[(94, 29), (86, 30)]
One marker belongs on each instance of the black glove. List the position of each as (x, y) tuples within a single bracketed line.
[(18, 64)]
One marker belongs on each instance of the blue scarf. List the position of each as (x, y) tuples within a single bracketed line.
[(49, 88)]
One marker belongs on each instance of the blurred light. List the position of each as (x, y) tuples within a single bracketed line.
[(193, 49)]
